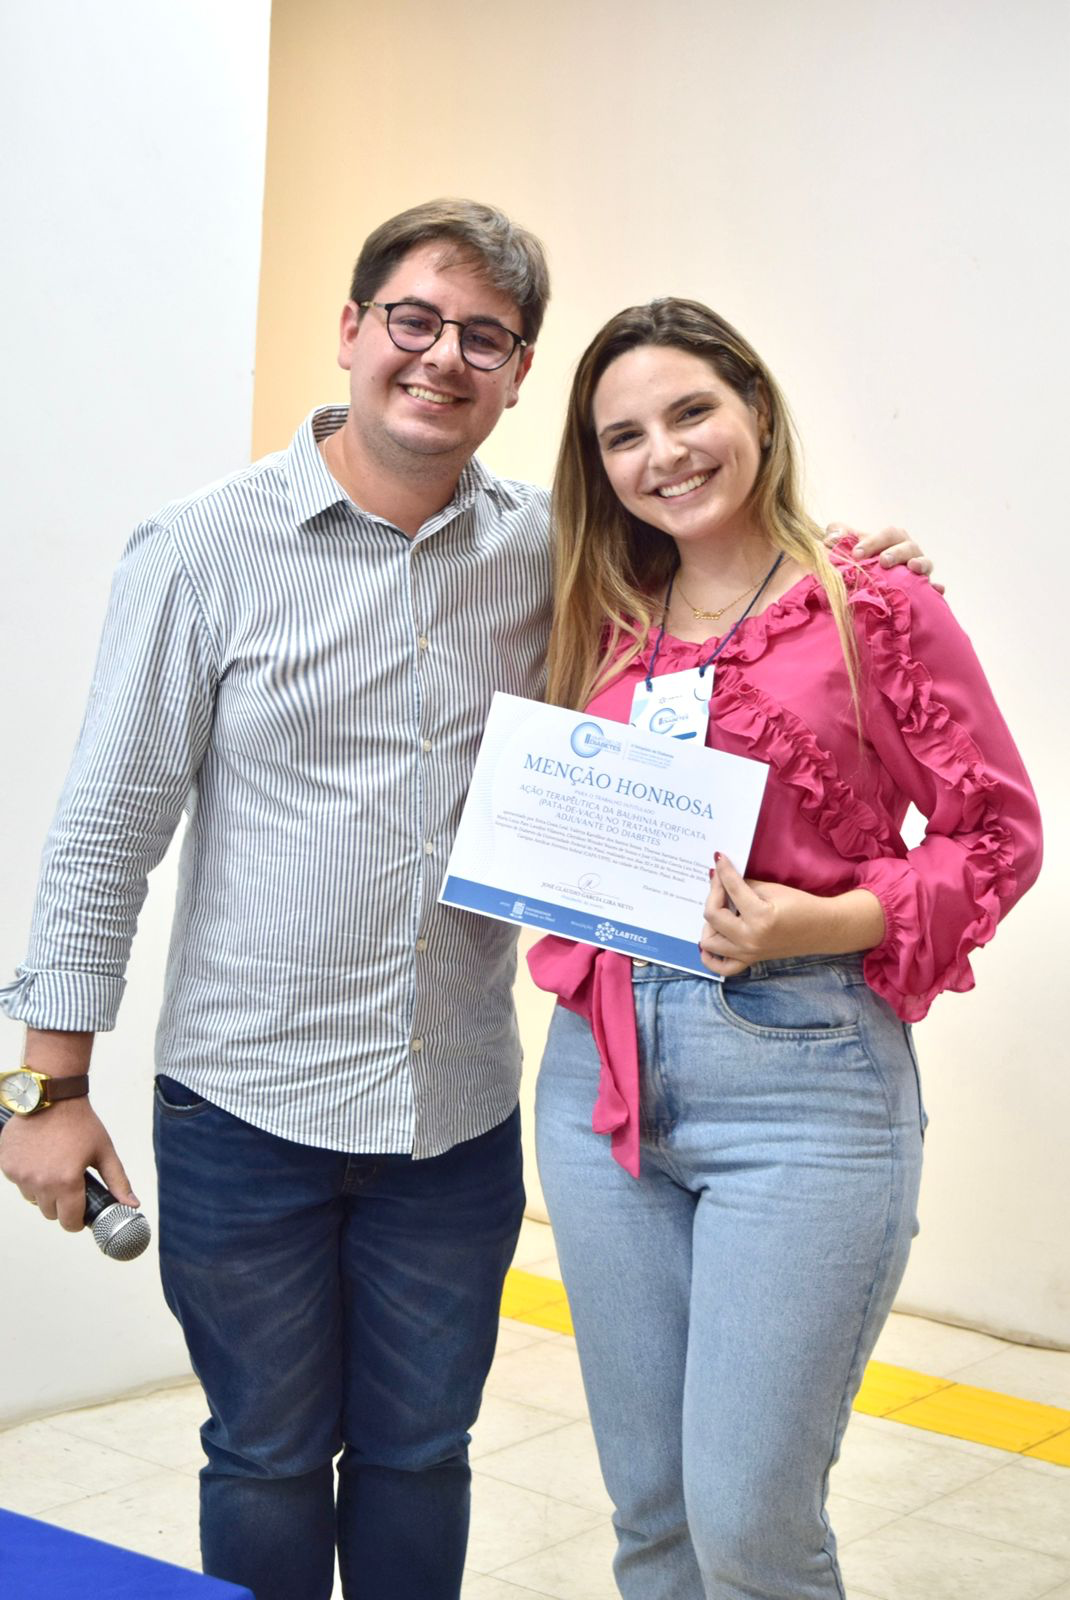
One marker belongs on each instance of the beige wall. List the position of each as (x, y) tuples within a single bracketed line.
[(867, 191)]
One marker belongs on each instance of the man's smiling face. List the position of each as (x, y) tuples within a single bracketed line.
[(417, 411)]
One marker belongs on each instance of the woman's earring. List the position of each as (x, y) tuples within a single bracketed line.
[(767, 439)]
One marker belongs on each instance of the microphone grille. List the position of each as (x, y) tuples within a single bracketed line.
[(121, 1232)]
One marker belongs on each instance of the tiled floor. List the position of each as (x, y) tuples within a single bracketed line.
[(919, 1516)]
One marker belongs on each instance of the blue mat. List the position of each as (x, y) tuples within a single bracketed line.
[(39, 1562)]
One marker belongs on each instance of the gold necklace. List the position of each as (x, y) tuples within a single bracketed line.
[(715, 616)]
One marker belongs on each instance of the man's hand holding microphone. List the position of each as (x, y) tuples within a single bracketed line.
[(50, 1137)]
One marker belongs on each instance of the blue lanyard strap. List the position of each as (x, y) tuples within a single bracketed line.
[(712, 657)]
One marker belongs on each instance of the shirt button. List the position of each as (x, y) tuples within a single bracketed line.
[(421, 944), (429, 848), (422, 642), (417, 1044), (425, 744)]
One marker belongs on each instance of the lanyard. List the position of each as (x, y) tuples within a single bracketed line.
[(712, 657)]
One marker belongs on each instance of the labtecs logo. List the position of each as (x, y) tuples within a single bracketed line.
[(609, 930)]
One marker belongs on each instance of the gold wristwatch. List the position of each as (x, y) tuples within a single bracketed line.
[(25, 1091)]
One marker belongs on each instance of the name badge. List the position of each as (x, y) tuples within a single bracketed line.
[(677, 705)]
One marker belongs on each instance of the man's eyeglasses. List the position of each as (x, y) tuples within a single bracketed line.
[(413, 326)]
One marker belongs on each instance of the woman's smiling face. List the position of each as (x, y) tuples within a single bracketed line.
[(680, 447)]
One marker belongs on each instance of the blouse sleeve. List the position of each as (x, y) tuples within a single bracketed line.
[(938, 732)]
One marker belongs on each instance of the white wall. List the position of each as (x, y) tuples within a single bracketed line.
[(133, 138)]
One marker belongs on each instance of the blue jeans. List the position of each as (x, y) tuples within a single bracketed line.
[(332, 1303), (726, 1303)]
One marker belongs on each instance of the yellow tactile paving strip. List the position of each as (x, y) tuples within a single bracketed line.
[(1023, 1427)]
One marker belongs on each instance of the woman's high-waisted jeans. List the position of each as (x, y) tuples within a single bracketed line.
[(726, 1303)]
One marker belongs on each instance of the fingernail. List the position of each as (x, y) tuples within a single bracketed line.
[(859, 550), (713, 872), (717, 855)]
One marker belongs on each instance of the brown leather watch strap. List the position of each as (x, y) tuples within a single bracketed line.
[(65, 1088)]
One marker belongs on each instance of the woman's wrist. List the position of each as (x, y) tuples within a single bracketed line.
[(856, 922)]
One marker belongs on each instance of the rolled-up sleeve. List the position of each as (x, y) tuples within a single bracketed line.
[(144, 734), (937, 729)]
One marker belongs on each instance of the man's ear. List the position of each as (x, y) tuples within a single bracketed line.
[(347, 333), (523, 367)]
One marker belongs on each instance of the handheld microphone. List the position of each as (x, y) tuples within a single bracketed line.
[(121, 1232)]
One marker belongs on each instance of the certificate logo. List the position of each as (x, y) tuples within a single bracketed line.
[(609, 930), (587, 739)]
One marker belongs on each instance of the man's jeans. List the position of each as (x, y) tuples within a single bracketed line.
[(332, 1303)]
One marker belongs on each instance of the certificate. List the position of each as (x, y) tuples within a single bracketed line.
[(592, 830)]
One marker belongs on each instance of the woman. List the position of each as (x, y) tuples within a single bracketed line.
[(729, 1273)]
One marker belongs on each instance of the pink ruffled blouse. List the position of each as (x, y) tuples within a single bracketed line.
[(831, 815)]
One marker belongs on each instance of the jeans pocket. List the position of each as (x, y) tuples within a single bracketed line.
[(175, 1100), (811, 1004)]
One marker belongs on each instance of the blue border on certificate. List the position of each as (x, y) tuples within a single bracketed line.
[(546, 917)]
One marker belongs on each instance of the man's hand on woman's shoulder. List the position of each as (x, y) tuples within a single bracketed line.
[(894, 546)]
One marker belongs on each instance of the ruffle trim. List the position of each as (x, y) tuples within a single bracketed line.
[(891, 969), (943, 746), (793, 610), (779, 737)]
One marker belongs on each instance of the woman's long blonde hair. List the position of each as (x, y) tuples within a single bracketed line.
[(610, 569)]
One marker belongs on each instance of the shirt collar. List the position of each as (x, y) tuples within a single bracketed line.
[(477, 479), (313, 489)]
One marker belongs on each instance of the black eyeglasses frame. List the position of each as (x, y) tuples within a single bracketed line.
[(390, 306)]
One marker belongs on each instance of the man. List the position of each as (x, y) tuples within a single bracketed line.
[(302, 656)]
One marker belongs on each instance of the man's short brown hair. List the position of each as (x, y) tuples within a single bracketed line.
[(511, 258)]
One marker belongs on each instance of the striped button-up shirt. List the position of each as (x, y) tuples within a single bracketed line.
[(310, 684)]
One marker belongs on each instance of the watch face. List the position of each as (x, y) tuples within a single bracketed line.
[(20, 1092)]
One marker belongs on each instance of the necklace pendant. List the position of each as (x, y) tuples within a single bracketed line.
[(715, 616)]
